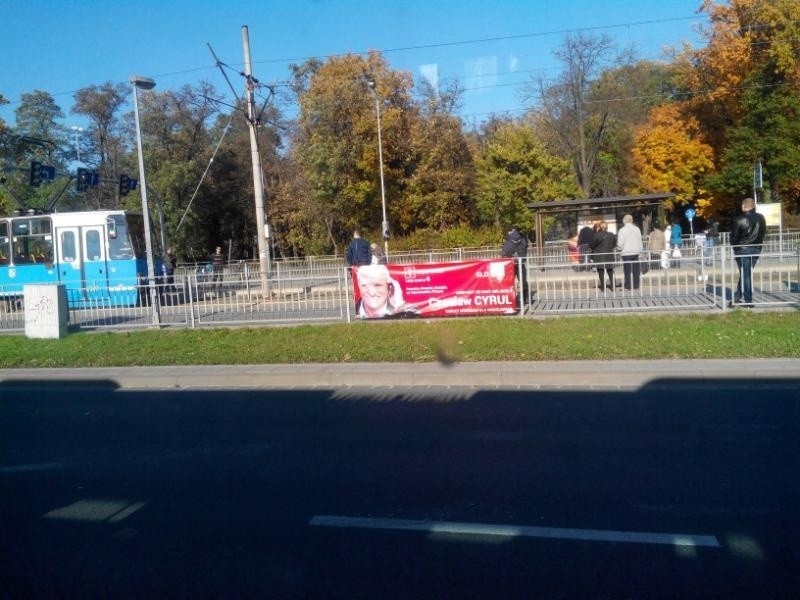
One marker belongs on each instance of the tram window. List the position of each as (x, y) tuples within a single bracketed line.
[(40, 226), (93, 246), (68, 246), (32, 241), (5, 244), (21, 227)]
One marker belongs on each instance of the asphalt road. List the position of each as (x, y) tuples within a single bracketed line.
[(677, 489)]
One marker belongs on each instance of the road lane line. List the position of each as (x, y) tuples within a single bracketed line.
[(31, 468), (512, 531)]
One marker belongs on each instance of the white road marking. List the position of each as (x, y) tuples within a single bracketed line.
[(31, 468), (96, 510), (512, 531)]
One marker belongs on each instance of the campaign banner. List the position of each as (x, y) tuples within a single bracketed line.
[(468, 288)]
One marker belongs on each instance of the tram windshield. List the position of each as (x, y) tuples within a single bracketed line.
[(135, 228), (120, 239)]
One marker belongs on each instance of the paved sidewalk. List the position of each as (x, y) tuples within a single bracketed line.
[(484, 375)]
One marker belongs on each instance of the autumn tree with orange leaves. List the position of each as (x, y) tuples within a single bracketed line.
[(669, 155), (744, 90)]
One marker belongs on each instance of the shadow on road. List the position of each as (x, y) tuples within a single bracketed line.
[(108, 492)]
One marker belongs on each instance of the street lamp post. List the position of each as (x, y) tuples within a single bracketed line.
[(77, 132), (385, 223), (145, 83)]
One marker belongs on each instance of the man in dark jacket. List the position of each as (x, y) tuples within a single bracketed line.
[(358, 252), (516, 246), (747, 238)]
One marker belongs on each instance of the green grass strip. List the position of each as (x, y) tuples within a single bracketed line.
[(737, 334)]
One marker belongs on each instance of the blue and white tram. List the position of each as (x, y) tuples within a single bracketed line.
[(99, 256)]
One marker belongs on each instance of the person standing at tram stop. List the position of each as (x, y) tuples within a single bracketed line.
[(516, 246), (630, 247), (712, 234), (217, 265), (747, 239), (656, 244), (168, 264), (603, 246), (378, 255), (585, 237), (676, 240), (358, 252)]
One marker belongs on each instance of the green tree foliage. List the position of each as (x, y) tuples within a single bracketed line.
[(770, 133), (336, 144), (628, 91), (605, 126), (5, 199), (3, 125), (177, 145), (37, 116), (515, 169), (441, 188), (102, 106), (204, 202), (38, 136), (744, 88)]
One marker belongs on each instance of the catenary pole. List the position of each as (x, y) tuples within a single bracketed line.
[(258, 186), (145, 83)]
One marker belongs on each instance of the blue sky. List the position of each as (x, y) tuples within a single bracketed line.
[(491, 47)]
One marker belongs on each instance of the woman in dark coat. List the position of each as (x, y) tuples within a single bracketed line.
[(603, 245), (585, 237)]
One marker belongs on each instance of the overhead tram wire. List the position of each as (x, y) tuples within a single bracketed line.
[(203, 176), (487, 40), (425, 46), (220, 65)]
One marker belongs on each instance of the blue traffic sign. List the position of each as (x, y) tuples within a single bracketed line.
[(690, 213), (47, 172)]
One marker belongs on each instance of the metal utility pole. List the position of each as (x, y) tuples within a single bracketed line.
[(76, 133), (385, 222), (258, 186), (145, 83), (758, 180)]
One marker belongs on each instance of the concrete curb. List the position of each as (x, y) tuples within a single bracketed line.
[(486, 375)]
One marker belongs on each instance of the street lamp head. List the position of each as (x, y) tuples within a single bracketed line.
[(141, 82), (370, 82)]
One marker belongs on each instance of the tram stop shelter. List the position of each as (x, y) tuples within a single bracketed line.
[(561, 219)]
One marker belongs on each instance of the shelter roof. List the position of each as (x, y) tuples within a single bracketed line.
[(608, 202)]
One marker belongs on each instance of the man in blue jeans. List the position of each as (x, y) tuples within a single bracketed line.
[(747, 238)]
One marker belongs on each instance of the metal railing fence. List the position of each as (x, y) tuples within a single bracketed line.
[(320, 289), (699, 280)]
